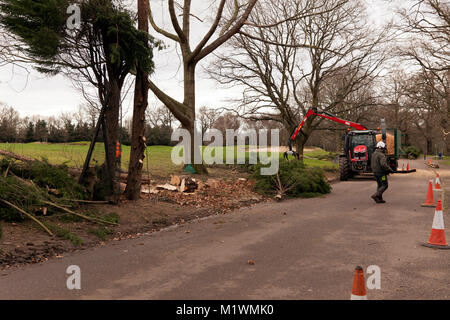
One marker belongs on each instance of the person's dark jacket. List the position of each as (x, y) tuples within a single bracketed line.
[(379, 163)]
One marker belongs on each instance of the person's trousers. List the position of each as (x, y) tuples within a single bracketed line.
[(382, 182)]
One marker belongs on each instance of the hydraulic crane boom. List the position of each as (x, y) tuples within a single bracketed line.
[(359, 145), (326, 115)]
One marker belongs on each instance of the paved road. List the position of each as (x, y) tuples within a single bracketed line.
[(303, 249)]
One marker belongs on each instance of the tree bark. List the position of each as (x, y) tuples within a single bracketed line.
[(138, 145), (185, 112), (111, 123), (189, 101)]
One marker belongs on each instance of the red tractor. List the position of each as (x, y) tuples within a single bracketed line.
[(358, 147)]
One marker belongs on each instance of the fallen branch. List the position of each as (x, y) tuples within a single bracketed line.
[(16, 156), (7, 169), (28, 215), (79, 214)]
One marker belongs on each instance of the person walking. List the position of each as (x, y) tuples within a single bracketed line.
[(380, 170)]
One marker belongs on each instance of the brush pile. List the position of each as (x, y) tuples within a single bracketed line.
[(29, 189)]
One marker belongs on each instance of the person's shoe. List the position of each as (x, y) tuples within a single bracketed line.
[(376, 199), (382, 201)]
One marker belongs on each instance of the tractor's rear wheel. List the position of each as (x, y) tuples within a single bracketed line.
[(344, 169)]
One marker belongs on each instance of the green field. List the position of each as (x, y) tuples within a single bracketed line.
[(159, 157), (446, 161)]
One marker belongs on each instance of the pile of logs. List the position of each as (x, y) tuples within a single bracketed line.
[(181, 184)]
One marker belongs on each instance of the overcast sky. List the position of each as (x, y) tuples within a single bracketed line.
[(31, 93)]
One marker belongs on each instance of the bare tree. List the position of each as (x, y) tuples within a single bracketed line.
[(138, 143), (427, 26), (423, 103), (191, 56), (9, 124), (319, 60), (427, 22), (160, 116), (394, 102), (226, 121), (207, 117), (102, 52)]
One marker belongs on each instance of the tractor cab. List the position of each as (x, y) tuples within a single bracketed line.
[(359, 146)]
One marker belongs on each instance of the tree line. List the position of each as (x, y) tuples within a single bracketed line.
[(80, 125)]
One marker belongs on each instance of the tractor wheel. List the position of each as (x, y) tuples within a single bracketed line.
[(344, 169)]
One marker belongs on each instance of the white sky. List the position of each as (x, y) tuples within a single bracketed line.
[(30, 93)]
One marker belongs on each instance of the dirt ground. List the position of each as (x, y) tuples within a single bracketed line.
[(23, 243)]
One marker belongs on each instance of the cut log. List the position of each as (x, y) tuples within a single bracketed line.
[(166, 187), (149, 190), (190, 185), (182, 187), (175, 180)]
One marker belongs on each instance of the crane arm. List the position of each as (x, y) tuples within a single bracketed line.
[(313, 112)]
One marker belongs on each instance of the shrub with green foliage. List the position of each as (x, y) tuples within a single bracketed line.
[(296, 180), (44, 175), (101, 232), (20, 194), (27, 187), (412, 152)]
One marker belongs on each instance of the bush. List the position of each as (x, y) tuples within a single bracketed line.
[(44, 175), (293, 180), (27, 186), (412, 152)]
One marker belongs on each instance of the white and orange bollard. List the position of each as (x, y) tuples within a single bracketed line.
[(437, 182), (437, 238)]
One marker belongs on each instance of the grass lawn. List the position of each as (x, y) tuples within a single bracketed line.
[(446, 161), (159, 157)]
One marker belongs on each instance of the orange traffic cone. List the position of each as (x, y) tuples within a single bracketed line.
[(359, 285), (407, 167), (430, 162), (437, 237), (437, 183), (430, 199)]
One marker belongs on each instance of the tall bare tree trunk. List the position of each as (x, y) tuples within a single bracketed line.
[(112, 129), (137, 154), (189, 100)]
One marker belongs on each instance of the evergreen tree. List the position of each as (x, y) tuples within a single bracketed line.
[(29, 136), (104, 50)]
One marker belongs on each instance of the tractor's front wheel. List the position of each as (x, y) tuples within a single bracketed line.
[(344, 169)]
